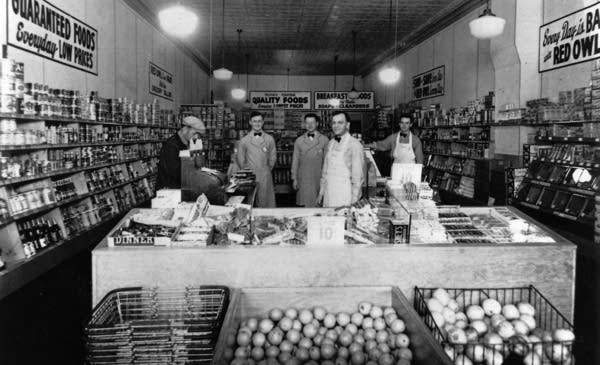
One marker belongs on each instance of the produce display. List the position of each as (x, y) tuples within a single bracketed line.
[(476, 328), (372, 334)]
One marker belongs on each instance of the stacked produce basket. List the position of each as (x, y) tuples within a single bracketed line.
[(154, 326)]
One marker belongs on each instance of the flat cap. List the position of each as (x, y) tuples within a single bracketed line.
[(193, 122)]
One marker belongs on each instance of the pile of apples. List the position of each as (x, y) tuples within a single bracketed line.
[(372, 335), (490, 332)]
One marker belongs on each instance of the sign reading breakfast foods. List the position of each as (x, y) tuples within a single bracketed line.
[(38, 27), (571, 39)]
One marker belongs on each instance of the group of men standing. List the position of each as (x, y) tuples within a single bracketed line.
[(324, 172)]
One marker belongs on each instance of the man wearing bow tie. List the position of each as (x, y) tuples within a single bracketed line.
[(257, 152), (343, 168), (307, 162), (404, 146)]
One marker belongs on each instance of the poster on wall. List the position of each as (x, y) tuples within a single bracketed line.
[(280, 99), (571, 39), (38, 27), (365, 100), (161, 82), (429, 84)]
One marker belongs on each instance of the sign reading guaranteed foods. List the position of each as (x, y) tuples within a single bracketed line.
[(365, 100), (280, 99), (38, 27), (571, 39), (161, 82)]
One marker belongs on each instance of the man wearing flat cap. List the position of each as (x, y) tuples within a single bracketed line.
[(169, 165)]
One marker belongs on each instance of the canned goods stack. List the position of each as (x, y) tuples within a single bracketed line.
[(32, 199), (11, 85)]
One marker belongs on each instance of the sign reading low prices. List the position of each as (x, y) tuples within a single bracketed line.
[(161, 82), (365, 100), (429, 84), (571, 39), (280, 99), (38, 27)]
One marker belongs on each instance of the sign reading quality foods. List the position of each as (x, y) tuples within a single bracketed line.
[(161, 82), (280, 99), (43, 29), (571, 39), (365, 100)]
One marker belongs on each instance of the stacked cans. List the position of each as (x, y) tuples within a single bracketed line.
[(597, 221), (11, 85), (595, 92)]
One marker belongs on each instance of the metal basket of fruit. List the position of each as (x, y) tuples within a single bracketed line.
[(150, 325), (499, 326)]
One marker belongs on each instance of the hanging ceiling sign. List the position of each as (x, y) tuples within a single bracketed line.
[(280, 99), (571, 39), (161, 82), (38, 27), (365, 100), (429, 84)]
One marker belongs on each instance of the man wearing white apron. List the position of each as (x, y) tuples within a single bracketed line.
[(307, 162), (343, 173), (257, 151), (404, 146)]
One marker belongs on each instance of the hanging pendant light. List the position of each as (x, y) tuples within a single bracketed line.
[(353, 94), (178, 20), (223, 73), (334, 102), (391, 74), (487, 25), (247, 103), (238, 93)]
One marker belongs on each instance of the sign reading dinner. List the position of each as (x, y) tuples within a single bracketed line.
[(571, 39), (323, 100), (280, 99)]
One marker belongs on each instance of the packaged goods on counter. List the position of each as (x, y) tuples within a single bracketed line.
[(132, 233)]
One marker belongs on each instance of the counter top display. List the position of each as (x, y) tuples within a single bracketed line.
[(547, 264)]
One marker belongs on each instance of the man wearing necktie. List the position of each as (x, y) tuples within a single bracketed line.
[(307, 162), (343, 168), (257, 152), (404, 146)]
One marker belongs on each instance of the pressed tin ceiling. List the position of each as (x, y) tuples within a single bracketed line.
[(304, 35)]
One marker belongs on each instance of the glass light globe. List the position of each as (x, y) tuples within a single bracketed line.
[(389, 75), (353, 94), (487, 26), (222, 74), (178, 21), (238, 93), (334, 102)]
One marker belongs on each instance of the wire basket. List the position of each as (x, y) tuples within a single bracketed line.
[(516, 349), (156, 326)]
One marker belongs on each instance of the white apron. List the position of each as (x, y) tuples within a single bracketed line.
[(404, 168), (404, 153), (338, 187)]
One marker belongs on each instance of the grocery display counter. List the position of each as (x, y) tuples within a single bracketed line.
[(550, 267)]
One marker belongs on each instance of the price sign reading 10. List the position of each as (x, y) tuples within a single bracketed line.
[(325, 231)]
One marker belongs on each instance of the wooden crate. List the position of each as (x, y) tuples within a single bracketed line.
[(256, 302)]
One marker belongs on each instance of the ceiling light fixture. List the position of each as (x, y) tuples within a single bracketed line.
[(178, 20), (334, 102), (223, 73), (488, 25), (353, 94), (391, 74), (247, 103), (238, 93)]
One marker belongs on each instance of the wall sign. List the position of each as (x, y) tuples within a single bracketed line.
[(429, 84), (571, 39), (365, 100), (280, 99), (38, 27), (161, 82)]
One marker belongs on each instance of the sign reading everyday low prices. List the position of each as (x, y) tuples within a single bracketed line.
[(365, 100), (571, 39), (38, 27), (280, 99), (161, 82), (325, 231)]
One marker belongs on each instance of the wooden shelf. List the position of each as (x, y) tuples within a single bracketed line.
[(456, 156), (454, 140), (555, 213), (74, 145), (574, 140), (80, 121), (476, 125), (569, 164), (559, 186)]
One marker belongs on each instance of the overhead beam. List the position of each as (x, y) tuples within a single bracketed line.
[(425, 31), (139, 7)]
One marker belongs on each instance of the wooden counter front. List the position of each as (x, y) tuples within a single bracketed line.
[(549, 267)]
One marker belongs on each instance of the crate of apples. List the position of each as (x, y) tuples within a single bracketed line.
[(354, 325), (496, 326)]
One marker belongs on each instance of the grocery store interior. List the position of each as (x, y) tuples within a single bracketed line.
[(300, 182)]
